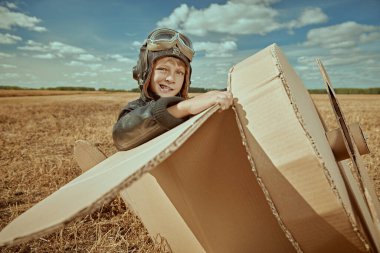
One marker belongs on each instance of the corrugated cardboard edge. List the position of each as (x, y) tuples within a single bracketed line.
[(270, 202), (363, 182), (108, 197), (355, 228)]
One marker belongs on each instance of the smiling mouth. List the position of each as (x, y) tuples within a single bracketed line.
[(165, 88)]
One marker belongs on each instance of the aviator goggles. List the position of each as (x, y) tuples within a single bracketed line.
[(164, 38)]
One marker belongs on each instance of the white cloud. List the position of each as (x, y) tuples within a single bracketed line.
[(112, 70), (31, 76), (8, 66), (120, 58), (56, 49), (44, 56), (212, 49), (88, 57), (5, 55), (258, 2), (9, 76), (82, 74), (10, 18), (247, 19), (76, 64), (236, 17), (348, 66), (346, 35), (64, 48), (9, 38), (309, 16), (34, 46), (349, 52), (11, 5), (82, 64), (178, 17), (351, 59), (136, 43), (369, 37)]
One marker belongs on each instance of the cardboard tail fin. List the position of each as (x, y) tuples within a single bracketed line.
[(336, 141), (364, 185)]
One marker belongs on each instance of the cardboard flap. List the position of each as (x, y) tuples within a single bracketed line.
[(276, 113), (362, 191), (98, 185), (338, 147), (87, 155), (211, 184)]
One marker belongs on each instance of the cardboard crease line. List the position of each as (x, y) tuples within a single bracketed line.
[(318, 155), (268, 198)]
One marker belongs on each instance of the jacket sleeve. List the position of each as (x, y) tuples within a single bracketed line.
[(136, 126)]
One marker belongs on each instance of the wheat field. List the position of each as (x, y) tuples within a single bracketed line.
[(38, 132)]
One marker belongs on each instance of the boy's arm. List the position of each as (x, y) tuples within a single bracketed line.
[(141, 124), (200, 103)]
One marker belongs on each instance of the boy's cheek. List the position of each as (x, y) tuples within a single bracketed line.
[(158, 74)]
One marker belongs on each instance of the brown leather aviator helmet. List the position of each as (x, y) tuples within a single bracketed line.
[(163, 42)]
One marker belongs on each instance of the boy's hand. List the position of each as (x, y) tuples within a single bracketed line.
[(201, 102)]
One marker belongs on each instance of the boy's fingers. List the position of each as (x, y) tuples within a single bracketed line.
[(224, 99)]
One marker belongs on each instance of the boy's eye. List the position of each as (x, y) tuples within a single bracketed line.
[(179, 72), (161, 68)]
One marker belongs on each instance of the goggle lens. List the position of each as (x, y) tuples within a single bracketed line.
[(167, 38)]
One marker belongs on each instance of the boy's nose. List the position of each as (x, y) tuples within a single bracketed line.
[(170, 77)]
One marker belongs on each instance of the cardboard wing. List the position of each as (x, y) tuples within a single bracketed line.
[(277, 114), (98, 185), (259, 177)]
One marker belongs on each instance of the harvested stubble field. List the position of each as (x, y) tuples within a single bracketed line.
[(37, 137)]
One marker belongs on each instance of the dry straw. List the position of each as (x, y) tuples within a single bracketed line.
[(37, 138)]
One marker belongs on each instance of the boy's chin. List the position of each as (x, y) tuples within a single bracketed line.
[(166, 94)]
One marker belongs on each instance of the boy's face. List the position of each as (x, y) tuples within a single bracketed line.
[(168, 77)]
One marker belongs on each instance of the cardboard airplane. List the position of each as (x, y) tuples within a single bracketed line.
[(260, 177)]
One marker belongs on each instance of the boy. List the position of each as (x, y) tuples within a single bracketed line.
[(163, 73)]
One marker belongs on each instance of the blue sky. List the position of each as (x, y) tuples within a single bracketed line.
[(95, 43)]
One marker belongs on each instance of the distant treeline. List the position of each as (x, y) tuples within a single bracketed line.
[(13, 88), (63, 88), (347, 91), (70, 88), (49, 88), (192, 89)]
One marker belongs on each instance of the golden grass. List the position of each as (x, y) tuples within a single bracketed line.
[(21, 93), (37, 137)]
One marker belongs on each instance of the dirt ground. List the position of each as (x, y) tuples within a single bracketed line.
[(37, 134)]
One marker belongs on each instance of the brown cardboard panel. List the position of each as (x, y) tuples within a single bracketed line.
[(367, 206), (278, 114), (146, 194), (147, 199), (312, 129), (295, 213), (210, 182), (87, 155), (98, 185), (336, 141)]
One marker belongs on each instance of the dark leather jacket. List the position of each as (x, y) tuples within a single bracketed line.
[(141, 120)]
